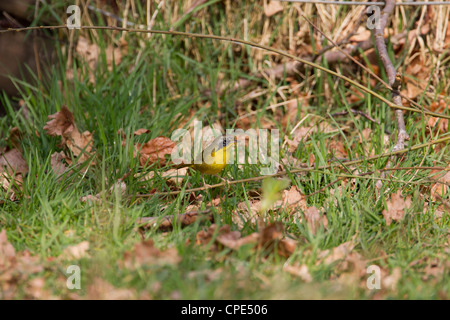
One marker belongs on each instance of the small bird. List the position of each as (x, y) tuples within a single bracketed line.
[(214, 158)]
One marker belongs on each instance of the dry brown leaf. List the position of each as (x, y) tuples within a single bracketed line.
[(102, 290), (438, 125), (138, 132), (273, 7), (15, 268), (146, 254), (12, 167), (290, 117), (365, 135), (440, 188), (337, 149), (113, 56), (270, 238), (75, 252), (57, 163), (90, 53), (303, 133), (7, 252), (395, 207), (351, 270), (292, 199), (154, 151), (35, 289), (225, 237), (362, 34), (299, 271), (338, 253), (416, 76), (436, 267), (62, 124), (390, 281), (246, 213), (13, 162), (315, 219), (14, 138)]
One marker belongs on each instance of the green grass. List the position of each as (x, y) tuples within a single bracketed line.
[(170, 82)]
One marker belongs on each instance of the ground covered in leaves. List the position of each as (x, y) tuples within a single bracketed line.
[(86, 178)]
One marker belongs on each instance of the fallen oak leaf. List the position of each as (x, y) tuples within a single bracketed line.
[(145, 253), (225, 238), (75, 252), (152, 151), (15, 268), (293, 198), (15, 136), (440, 188), (270, 239), (315, 219), (12, 168), (337, 253), (273, 8), (10, 185), (299, 271), (90, 53), (57, 164), (396, 206), (167, 222), (13, 162), (62, 124), (103, 290), (7, 252)]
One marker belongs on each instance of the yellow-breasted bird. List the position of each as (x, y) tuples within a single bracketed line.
[(214, 158)]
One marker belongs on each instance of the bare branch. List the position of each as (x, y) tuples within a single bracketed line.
[(390, 70)]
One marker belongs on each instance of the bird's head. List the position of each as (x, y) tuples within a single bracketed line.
[(226, 141)]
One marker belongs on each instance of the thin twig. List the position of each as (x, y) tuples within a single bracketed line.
[(343, 113), (295, 171), (393, 77), (243, 42), (390, 70), (361, 175)]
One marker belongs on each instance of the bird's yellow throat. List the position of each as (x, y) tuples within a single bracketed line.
[(214, 162)]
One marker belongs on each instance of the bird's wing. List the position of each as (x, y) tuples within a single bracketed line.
[(210, 150)]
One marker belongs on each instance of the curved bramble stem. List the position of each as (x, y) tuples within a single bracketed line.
[(243, 42)]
